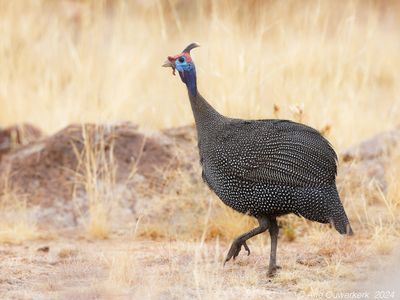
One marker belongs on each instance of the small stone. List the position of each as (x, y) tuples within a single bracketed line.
[(44, 249)]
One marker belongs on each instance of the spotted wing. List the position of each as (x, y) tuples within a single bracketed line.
[(279, 152)]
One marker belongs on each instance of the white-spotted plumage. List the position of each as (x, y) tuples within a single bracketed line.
[(265, 168)]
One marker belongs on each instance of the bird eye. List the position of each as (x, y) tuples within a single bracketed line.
[(181, 59)]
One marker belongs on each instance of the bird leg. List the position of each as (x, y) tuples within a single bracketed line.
[(241, 240), (273, 232)]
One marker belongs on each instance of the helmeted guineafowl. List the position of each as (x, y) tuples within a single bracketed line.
[(265, 168)]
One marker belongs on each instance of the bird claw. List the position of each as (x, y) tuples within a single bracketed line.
[(246, 248), (235, 249), (272, 270)]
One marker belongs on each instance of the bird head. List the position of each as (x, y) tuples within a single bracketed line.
[(182, 62)]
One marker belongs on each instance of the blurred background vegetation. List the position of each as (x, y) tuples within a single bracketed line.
[(331, 64)]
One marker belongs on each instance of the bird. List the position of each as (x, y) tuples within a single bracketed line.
[(264, 168)]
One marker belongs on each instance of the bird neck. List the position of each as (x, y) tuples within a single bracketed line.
[(190, 79), (206, 117)]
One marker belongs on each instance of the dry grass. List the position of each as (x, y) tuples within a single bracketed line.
[(322, 63), (18, 231), (16, 224), (392, 197), (100, 61), (121, 269), (96, 176)]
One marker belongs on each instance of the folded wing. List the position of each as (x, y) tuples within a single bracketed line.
[(279, 152)]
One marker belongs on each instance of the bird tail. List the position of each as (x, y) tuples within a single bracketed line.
[(342, 228), (339, 219), (325, 207)]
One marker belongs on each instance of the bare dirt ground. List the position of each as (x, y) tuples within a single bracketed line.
[(73, 267)]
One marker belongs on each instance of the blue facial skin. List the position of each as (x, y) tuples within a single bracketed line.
[(182, 65), (187, 72)]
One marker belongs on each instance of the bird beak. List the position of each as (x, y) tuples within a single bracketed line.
[(167, 64)]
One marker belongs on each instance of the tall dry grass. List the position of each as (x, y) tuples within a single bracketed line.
[(75, 61)]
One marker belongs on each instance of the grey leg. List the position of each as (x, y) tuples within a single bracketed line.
[(241, 240), (273, 232)]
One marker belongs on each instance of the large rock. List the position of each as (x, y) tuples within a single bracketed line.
[(14, 136), (380, 147), (364, 165), (55, 174)]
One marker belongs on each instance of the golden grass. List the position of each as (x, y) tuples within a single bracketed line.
[(333, 65), (392, 197), (97, 178), (16, 232), (227, 223), (100, 61), (122, 270), (16, 224)]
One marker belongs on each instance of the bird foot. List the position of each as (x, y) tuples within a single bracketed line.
[(272, 270), (235, 249)]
